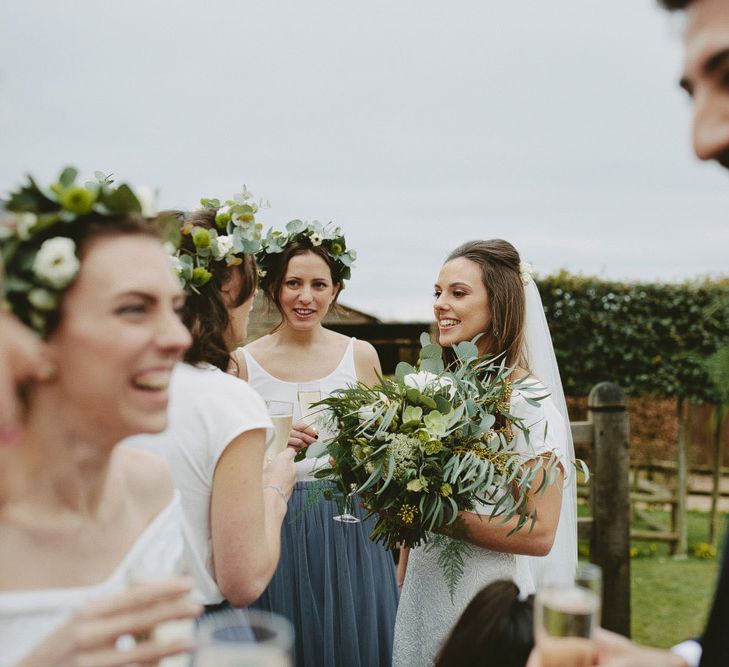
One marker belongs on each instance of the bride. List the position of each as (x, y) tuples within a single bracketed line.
[(481, 289)]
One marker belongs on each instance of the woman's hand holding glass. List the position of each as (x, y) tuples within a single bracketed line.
[(302, 435), (101, 632), (280, 473)]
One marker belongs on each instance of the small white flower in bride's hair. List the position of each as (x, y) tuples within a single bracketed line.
[(315, 239), (56, 262), (526, 272)]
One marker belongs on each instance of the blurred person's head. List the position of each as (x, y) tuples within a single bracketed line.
[(90, 274), (221, 295), (497, 627), (706, 74)]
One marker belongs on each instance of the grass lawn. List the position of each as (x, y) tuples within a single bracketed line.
[(671, 598)]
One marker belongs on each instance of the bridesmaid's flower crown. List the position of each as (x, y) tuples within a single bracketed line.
[(36, 230), (328, 237), (237, 234)]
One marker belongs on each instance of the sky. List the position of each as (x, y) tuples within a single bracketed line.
[(414, 124)]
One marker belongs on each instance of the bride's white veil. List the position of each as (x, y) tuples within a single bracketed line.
[(559, 565)]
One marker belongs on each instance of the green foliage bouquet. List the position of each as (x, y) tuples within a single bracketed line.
[(432, 442)]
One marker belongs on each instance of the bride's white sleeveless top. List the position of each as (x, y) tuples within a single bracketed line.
[(273, 389)]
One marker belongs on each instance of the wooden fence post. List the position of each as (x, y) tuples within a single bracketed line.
[(681, 520), (610, 488), (719, 412)]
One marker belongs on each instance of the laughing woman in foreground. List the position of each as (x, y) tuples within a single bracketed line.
[(81, 519)]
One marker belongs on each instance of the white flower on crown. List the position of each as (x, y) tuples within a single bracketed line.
[(175, 263), (225, 245), (41, 299), (526, 272), (25, 222), (315, 239), (56, 262), (147, 198)]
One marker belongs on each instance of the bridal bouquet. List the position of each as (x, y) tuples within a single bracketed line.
[(431, 442)]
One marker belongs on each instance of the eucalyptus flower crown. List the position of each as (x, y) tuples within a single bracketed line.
[(36, 237), (313, 233), (242, 236)]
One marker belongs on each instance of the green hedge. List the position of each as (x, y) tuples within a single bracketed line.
[(649, 338)]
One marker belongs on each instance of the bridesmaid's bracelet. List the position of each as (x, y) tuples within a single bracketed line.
[(278, 490)]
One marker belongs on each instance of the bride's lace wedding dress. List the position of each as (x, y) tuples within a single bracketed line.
[(426, 613)]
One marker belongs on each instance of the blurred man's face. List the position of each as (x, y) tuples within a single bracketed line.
[(706, 77)]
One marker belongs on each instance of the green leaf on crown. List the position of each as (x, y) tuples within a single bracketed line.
[(120, 200)]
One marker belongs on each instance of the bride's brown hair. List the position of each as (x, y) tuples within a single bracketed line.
[(499, 263)]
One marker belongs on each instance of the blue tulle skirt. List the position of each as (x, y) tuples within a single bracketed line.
[(334, 584)]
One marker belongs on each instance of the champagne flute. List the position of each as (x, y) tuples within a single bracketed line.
[(282, 416), (589, 576), (308, 395), (347, 516), (565, 618), (244, 638), (147, 572)]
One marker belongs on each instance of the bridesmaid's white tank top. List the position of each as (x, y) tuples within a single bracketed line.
[(273, 389)]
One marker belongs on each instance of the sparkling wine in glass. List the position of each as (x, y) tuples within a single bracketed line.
[(589, 576), (282, 416), (565, 618), (244, 638), (347, 516), (308, 395)]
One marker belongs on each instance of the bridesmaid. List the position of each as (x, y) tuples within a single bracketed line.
[(335, 585), (80, 516), (233, 505)]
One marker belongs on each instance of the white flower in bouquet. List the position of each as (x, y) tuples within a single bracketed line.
[(425, 380), (368, 412), (56, 262)]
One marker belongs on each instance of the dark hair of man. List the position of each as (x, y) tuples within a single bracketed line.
[(675, 4), (496, 627)]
